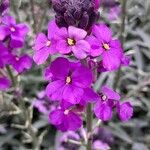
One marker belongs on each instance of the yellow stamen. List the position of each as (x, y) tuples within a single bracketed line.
[(68, 79), (71, 42), (106, 46), (48, 43), (12, 29), (66, 112)]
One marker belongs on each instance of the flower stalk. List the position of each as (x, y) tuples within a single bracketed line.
[(89, 126)]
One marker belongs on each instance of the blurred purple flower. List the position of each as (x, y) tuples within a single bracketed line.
[(5, 56), (64, 119), (78, 13), (99, 145), (103, 45), (103, 107), (108, 100), (114, 12), (125, 111), (42, 103), (71, 41), (17, 32), (45, 45), (4, 83), (69, 81), (22, 63)]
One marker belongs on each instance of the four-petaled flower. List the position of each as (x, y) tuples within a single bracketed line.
[(45, 45), (103, 45), (69, 80), (73, 40)]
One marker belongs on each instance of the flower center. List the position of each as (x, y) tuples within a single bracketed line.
[(66, 112), (71, 42), (12, 29), (68, 80), (104, 97), (48, 43), (106, 46)]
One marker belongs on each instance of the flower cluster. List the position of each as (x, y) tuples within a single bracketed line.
[(71, 80), (12, 37)]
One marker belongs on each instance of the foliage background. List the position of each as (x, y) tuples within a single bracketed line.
[(33, 131)]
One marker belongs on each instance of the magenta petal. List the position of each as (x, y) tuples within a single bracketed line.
[(8, 20), (52, 29), (90, 95), (125, 60), (82, 77), (4, 31), (72, 94), (83, 45), (79, 53), (4, 83), (40, 41), (41, 55), (54, 89), (110, 60), (110, 93), (74, 121), (102, 32), (103, 111), (56, 117), (23, 29), (125, 111), (63, 47), (74, 33), (16, 42)]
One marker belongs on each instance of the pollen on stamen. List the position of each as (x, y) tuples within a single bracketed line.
[(106, 46), (68, 79), (104, 97), (66, 112), (48, 43), (70, 42), (12, 29)]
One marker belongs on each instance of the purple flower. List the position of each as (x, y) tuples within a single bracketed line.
[(108, 100), (114, 12), (99, 145), (21, 64), (103, 107), (96, 3), (78, 13), (71, 41), (4, 83), (45, 45), (103, 45), (17, 32), (69, 80), (5, 56), (4, 5), (42, 104), (65, 119), (125, 111)]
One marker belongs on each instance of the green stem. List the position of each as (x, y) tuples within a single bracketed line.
[(89, 126), (13, 80), (122, 38)]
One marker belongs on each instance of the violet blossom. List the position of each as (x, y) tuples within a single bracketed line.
[(103, 45), (108, 100), (69, 80), (45, 45), (4, 83), (73, 40), (16, 32)]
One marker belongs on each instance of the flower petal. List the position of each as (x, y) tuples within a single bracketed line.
[(125, 111), (103, 111), (110, 93)]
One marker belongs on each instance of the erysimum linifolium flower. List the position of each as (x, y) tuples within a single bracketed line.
[(69, 82), (108, 100), (16, 32), (78, 13)]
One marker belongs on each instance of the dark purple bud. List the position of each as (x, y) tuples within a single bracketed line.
[(79, 13)]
